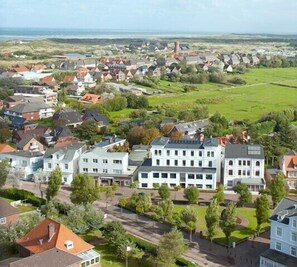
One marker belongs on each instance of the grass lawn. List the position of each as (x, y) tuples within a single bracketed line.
[(239, 234), (21, 208)]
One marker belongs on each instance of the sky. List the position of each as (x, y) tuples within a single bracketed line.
[(202, 16)]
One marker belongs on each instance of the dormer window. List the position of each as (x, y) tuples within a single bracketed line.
[(69, 244)]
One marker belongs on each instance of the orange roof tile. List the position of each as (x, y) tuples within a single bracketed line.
[(68, 78), (294, 159), (38, 239), (20, 69), (47, 79), (4, 148), (91, 98)]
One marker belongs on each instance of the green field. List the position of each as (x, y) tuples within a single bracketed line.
[(237, 235)]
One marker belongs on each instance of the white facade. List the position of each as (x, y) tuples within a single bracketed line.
[(67, 158), (244, 163), (183, 162), (46, 112), (30, 162), (99, 162)]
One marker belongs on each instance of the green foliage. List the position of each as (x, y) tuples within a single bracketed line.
[(87, 130), (192, 194), (136, 102), (84, 190), (277, 188), (139, 135), (115, 104), (262, 210), (164, 192), (219, 196), (20, 194), (166, 209), (245, 196), (212, 218), (189, 217), (4, 170), (198, 113), (217, 77), (212, 100), (54, 183), (4, 135), (228, 220), (236, 80)]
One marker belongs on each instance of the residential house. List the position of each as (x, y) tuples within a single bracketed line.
[(106, 167), (9, 215), (244, 163), (90, 99), (50, 234), (109, 142), (255, 60), (20, 69), (68, 117), (5, 148), (194, 60), (33, 130), (75, 89), (138, 154), (30, 144), (66, 157), (288, 165), (30, 162), (70, 79), (246, 60), (228, 68), (17, 123), (190, 129), (95, 116), (87, 80), (235, 60), (60, 136), (283, 236), (14, 100), (184, 162), (38, 68)]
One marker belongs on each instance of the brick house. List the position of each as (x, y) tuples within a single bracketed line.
[(288, 165), (8, 214)]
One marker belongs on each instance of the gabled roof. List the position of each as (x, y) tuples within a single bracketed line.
[(91, 98), (244, 151), (29, 107), (25, 141), (6, 209), (191, 126), (38, 131), (48, 258), (20, 69), (96, 116), (69, 78), (61, 234), (61, 132), (70, 116), (286, 208), (68, 151), (4, 148)]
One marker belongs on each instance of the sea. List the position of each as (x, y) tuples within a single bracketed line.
[(46, 33)]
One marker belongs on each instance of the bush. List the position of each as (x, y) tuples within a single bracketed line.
[(20, 194), (184, 263), (236, 80), (144, 245)]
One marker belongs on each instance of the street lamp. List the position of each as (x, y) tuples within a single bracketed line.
[(128, 249)]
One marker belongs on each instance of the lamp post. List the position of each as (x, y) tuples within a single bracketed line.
[(128, 249)]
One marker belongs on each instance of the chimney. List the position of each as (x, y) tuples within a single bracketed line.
[(51, 231)]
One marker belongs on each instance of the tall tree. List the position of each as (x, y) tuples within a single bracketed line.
[(164, 191), (40, 179), (5, 134), (212, 218), (219, 196), (4, 170), (245, 196), (171, 246), (15, 176), (166, 210), (54, 183), (191, 194), (262, 210), (189, 217), (84, 190), (228, 221), (277, 188)]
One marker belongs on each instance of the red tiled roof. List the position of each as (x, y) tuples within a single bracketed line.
[(294, 159), (19, 69), (68, 78), (4, 148)]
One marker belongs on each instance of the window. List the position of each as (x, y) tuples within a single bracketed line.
[(156, 175), (257, 173), (212, 153), (230, 183), (239, 172), (208, 153), (248, 163), (160, 152), (117, 161), (200, 153), (230, 162), (230, 172), (66, 166), (176, 162), (105, 171), (294, 236), (243, 172), (85, 160), (49, 165), (116, 171), (158, 162), (156, 152), (192, 163), (85, 169), (191, 176), (92, 261), (176, 153), (168, 162), (200, 163), (239, 162), (144, 185), (294, 223), (199, 176), (209, 186), (257, 163), (210, 164), (97, 259), (248, 172), (184, 153), (95, 170), (172, 185), (184, 163), (208, 176), (95, 160), (293, 251), (168, 152), (243, 162), (279, 231), (105, 161), (278, 246), (164, 175), (3, 220), (65, 179), (144, 175), (192, 153), (199, 185), (173, 175)]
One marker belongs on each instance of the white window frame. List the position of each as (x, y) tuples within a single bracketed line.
[(3, 220)]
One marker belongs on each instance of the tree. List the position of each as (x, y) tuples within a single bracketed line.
[(84, 190), (115, 233), (219, 196), (15, 175), (277, 188), (75, 219), (192, 194), (171, 246), (4, 135), (40, 179), (143, 204), (177, 188), (228, 221), (93, 217), (164, 191), (54, 183), (245, 196), (262, 210), (166, 210), (212, 218), (189, 217), (87, 130), (4, 170)]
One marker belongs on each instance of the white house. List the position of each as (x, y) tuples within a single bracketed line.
[(66, 157), (244, 163), (29, 161), (185, 162), (105, 166), (283, 236)]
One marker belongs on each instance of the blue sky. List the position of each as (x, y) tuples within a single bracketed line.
[(229, 16)]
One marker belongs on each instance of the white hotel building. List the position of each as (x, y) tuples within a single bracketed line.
[(184, 162), (283, 236)]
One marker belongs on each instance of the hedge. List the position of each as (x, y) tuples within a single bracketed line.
[(20, 194)]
